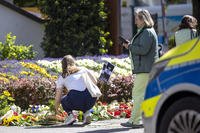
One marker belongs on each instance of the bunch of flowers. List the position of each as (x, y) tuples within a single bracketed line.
[(102, 111), (5, 101), (44, 115), (37, 68), (7, 77), (15, 117)]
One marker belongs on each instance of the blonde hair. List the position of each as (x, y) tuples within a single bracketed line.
[(68, 65), (146, 17)]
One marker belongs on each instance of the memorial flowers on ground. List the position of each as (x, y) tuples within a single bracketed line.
[(44, 115)]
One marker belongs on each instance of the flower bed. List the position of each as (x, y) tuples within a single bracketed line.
[(33, 82)]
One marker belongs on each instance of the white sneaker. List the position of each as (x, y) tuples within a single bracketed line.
[(70, 119), (87, 117)]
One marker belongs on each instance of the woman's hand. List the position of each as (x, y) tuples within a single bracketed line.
[(57, 110), (126, 45)]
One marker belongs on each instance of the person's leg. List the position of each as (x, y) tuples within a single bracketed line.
[(138, 92), (79, 100), (90, 102), (68, 107), (66, 103)]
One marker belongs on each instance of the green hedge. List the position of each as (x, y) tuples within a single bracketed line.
[(76, 27)]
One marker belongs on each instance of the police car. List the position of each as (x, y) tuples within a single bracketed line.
[(172, 98)]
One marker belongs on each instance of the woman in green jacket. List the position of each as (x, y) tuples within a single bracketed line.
[(143, 50)]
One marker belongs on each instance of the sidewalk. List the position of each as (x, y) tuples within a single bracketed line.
[(106, 126)]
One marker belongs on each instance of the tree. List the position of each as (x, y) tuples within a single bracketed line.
[(76, 27), (25, 3), (196, 12)]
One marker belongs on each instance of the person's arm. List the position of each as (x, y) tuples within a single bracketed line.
[(143, 48), (57, 100), (59, 89), (126, 44)]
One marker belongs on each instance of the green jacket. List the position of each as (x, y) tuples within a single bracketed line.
[(144, 50)]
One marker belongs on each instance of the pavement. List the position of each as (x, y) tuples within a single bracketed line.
[(105, 126)]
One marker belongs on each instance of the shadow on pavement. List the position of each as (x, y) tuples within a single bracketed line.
[(56, 126), (116, 130)]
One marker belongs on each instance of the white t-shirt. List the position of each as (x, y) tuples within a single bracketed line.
[(72, 82)]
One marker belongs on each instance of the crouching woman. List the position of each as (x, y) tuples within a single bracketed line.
[(81, 91)]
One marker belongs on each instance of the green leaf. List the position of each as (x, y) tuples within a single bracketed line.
[(11, 99)]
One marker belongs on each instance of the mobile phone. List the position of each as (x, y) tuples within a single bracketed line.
[(122, 40)]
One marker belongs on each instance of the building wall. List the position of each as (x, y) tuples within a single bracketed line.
[(27, 31), (126, 22)]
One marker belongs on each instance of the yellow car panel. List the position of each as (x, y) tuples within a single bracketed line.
[(149, 105)]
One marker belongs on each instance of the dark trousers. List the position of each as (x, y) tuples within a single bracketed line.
[(78, 100)]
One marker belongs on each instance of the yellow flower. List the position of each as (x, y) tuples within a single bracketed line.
[(13, 77), (14, 118), (27, 73), (37, 68), (3, 74), (6, 93), (24, 73), (7, 121), (4, 79), (54, 77)]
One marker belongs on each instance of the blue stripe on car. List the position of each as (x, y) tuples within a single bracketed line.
[(173, 76)]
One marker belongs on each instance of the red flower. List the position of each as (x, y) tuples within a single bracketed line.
[(117, 112), (123, 106), (24, 116), (15, 113), (104, 104), (128, 113), (110, 112)]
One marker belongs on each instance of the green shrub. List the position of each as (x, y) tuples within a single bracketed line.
[(8, 50)]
